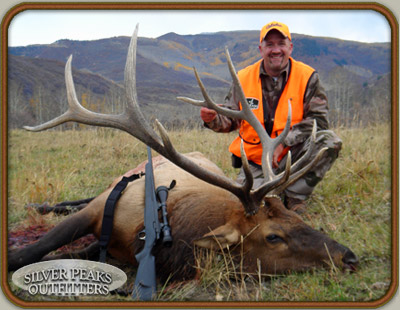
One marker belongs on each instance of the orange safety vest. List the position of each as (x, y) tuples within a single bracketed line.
[(294, 91)]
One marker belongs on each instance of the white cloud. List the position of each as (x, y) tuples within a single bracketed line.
[(38, 27)]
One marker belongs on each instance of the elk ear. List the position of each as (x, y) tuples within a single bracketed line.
[(220, 238)]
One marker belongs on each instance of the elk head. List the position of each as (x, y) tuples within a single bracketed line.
[(275, 241), (133, 122)]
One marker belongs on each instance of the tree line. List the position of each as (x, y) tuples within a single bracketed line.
[(352, 102)]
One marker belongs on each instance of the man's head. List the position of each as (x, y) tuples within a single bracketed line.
[(275, 47)]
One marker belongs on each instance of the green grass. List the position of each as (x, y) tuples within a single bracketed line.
[(352, 205)]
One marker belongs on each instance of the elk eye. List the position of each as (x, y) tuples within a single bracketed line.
[(272, 238)]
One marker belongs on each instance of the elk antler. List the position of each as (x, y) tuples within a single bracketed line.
[(133, 122), (273, 183)]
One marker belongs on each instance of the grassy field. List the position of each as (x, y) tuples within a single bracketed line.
[(352, 205)]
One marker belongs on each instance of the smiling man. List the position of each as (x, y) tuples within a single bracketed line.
[(268, 85)]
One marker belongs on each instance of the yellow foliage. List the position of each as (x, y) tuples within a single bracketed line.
[(216, 62), (189, 56), (206, 73), (248, 61), (174, 45), (84, 100), (179, 65)]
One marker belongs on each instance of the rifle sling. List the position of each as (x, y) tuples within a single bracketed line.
[(108, 217)]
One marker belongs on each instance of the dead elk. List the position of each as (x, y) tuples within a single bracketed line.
[(205, 208)]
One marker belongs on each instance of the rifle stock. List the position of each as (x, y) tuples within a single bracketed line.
[(145, 282)]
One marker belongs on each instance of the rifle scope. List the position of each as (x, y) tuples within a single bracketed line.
[(162, 195)]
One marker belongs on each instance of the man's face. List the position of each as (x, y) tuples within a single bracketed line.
[(275, 49)]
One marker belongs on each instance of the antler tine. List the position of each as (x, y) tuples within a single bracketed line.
[(268, 187), (208, 102), (290, 169), (249, 180), (269, 145), (248, 115), (131, 121), (297, 175), (75, 112), (292, 172), (139, 126), (309, 151)]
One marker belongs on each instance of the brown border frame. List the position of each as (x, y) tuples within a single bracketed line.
[(203, 6)]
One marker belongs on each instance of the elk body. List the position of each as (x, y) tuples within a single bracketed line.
[(205, 208)]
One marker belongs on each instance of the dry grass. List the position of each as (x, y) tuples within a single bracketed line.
[(352, 205)]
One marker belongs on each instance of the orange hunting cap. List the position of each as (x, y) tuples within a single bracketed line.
[(282, 28)]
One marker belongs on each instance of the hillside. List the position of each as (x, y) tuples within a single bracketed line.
[(37, 91), (206, 53), (164, 67)]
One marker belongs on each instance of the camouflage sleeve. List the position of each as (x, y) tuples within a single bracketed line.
[(223, 123), (315, 107)]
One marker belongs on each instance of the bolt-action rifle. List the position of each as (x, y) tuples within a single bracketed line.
[(155, 199)]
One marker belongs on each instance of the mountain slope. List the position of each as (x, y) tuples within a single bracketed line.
[(206, 53), (165, 71)]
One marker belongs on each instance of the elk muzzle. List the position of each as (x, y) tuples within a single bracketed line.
[(317, 247), (350, 261)]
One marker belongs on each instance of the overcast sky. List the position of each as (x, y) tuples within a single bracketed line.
[(47, 26)]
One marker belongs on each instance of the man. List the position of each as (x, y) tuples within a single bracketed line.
[(268, 85)]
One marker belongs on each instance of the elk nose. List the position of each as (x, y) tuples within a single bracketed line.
[(350, 261)]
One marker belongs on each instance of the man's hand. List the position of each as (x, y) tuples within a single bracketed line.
[(207, 115), (278, 151)]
